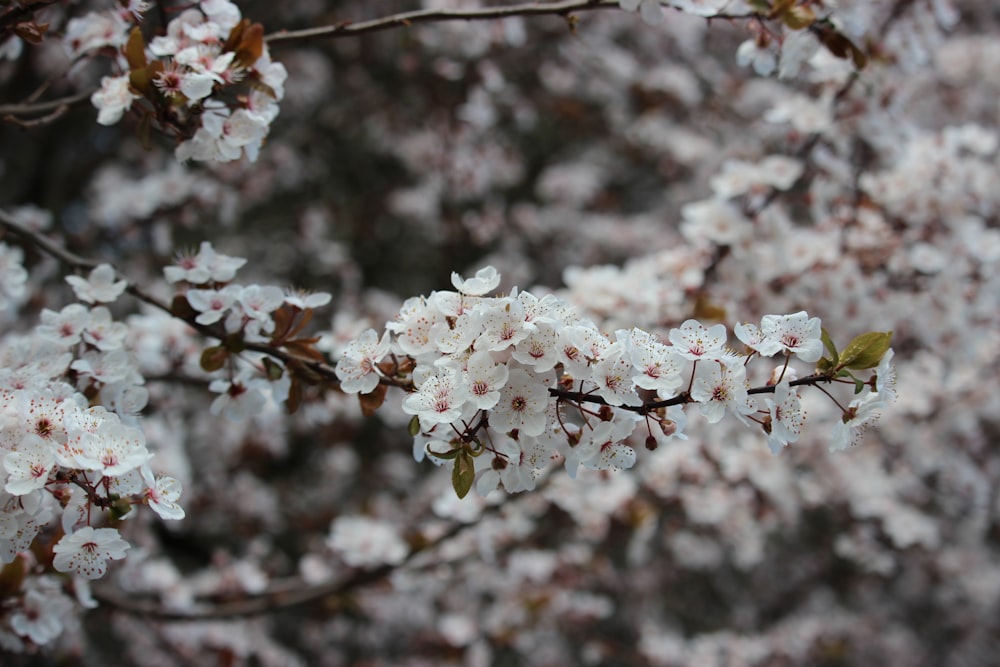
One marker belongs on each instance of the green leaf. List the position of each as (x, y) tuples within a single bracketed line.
[(799, 17), (450, 454), (135, 50), (213, 358), (414, 426), (273, 369), (829, 345), (463, 473), (824, 366), (866, 350)]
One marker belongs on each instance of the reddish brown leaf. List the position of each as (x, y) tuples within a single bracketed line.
[(373, 401)]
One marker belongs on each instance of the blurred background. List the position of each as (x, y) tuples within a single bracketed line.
[(645, 175)]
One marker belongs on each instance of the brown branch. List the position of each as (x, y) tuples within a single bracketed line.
[(406, 19), (680, 399), (72, 260), (45, 107), (285, 597), (563, 8)]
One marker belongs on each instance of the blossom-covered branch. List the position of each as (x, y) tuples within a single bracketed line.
[(484, 370)]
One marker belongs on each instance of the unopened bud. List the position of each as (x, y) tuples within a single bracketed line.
[(651, 443)]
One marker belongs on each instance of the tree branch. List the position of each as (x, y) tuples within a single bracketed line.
[(281, 38), (406, 19), (72, 260), (680, 399)]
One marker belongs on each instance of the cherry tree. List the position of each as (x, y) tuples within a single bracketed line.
[(479, 332)]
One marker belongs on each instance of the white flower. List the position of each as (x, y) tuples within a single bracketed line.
[(304, 300), (485, 378), (601, 448), (204, 267), (102, 332), (40, 614), (613, 375), (439, 399), (539, 349), (503, 325), (260, 301), (860, 413), (95, 30), (580, 345), (223, 12), (787, 417), (242, 397), (105, 367), (517, 464), (714, 221), (485, 281), (659, 367), (12, 275), (522, 405), (99, 287), (213, 304), (720, 386), (797, 333), (413, 326), (162, 494), (761, 56), (885, 377), (366, 542), (797, 46), (751, 336), (29, 465), (694, 341), (87, 551), (114, 450), (358, 366), (457, 335), (648, 9), (113, 99)]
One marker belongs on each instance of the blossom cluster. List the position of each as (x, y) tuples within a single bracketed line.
[(264, 314), (209, 81), (499, 374), (71, 447)]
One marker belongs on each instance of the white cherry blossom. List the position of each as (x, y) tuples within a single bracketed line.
[(357, 368), (87, 551), (787, 417), (522, 405), (99, 287), (797, 334), (695, 341), (485, 379)]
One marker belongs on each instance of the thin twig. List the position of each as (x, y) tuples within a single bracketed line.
[(406, 19), (280, 38), (72, 260)]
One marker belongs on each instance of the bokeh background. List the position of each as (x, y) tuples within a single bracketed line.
[(624, 167)]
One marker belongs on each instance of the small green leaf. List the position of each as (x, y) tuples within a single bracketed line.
[(866, 350), (213, 358), (463, 473), (824, 366), (799, 17), (273, 369), (450, 454), (414, 426), (135, 50), (829, 345)]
